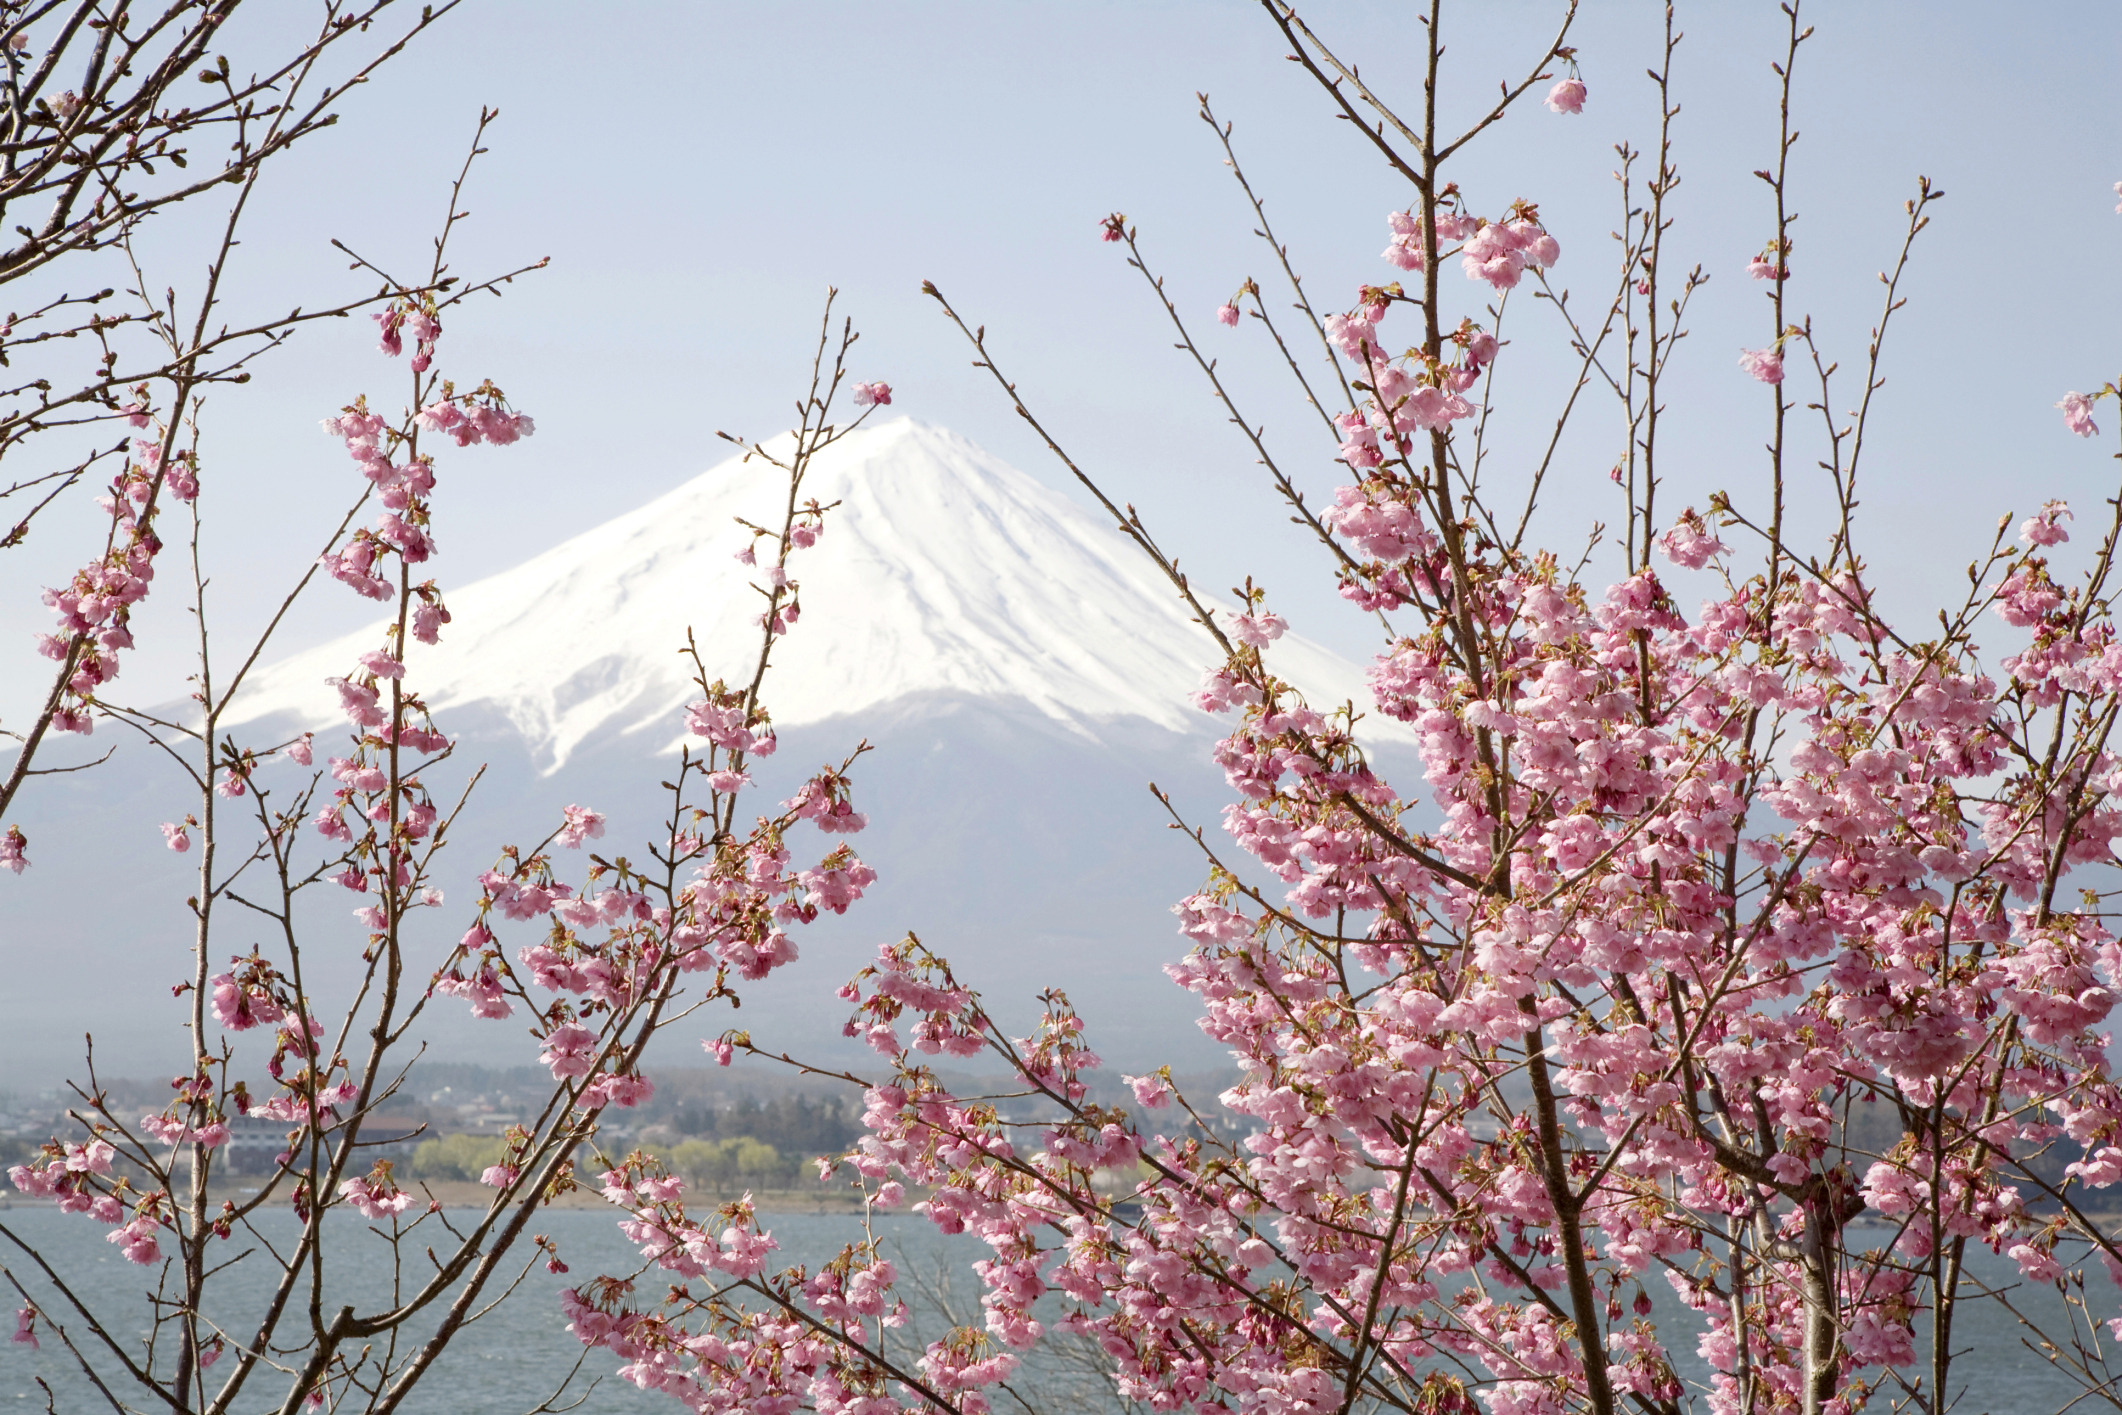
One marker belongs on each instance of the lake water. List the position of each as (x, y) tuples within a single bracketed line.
[(515, 1358)]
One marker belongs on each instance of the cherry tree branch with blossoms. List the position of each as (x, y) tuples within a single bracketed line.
[(84, 151), (1604, 1002), (607, 965)]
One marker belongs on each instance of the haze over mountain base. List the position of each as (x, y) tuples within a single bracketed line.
[(1056, 871)]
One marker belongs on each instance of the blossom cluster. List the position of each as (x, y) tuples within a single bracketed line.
[(1498, 252), (94, 609)]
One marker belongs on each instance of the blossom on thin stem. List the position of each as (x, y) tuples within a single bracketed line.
[(1499, 252), (2078, 414), (582, 824), (1764, 364)]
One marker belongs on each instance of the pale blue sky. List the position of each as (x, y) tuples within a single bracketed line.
[(699, 173)]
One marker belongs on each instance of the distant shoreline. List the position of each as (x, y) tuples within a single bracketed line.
[(456, 1195)]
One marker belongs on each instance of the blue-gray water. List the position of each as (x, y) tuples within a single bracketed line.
[(515, 1358)]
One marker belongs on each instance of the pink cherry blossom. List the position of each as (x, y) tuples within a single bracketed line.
[(428, 618), (582, 824), (374, 1200), (239, 1006), (1152, 1091), (424, 331), (2078, 414), (92, 1158), (1500, 251), (1257, 630), (2046, 529), (1689, 543), (483, 991), (359, 702), (570, 1050), (1764, 364), (138, 1241), (1567, 96)]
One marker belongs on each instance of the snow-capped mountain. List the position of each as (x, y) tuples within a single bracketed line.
[(1019, 670), (942, 570)]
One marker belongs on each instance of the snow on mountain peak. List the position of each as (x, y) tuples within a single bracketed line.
[(943, 570)]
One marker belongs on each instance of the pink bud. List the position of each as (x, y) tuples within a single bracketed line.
[(13, 846)]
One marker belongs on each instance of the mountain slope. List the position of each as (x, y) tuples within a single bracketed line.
[(943, 570)]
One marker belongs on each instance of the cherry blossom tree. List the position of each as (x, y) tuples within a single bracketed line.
[(630, 951), (1604, 1002)]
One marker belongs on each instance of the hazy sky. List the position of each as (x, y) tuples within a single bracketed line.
[(699, 172)]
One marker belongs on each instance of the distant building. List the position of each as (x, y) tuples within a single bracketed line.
[(255, 1144)]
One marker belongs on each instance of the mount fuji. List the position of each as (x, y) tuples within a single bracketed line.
[(1019, 671), (942, 571)]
